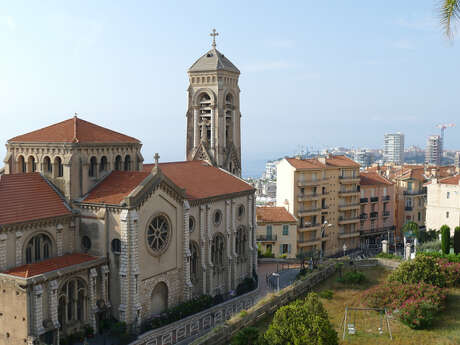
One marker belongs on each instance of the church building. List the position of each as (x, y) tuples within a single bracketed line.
[(89, 231)]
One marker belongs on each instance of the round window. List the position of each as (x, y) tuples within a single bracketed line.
[(191, 224), (86, 243), (217, 217), (158, 234)]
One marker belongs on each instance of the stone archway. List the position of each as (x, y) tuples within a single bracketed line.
[(159, 299)]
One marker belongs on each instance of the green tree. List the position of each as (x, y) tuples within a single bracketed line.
[(450, 11), (246, 336), (411, 229), (445, 239), (302, 322), (457, 240)]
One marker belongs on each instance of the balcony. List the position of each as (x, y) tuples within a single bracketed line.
[(345, 235), (348, 220), (374, 215), (408, 208), (315, 182), (349, 206), (310, 227), (349, 179), (374, 199), (376, 231), (364, 200), (266, 238), (415, 192), (386, 213), (348, 192), (310, 241), (310, 196), (308, 211), (363, 216), (386, 198)]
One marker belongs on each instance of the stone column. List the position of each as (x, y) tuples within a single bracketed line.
[(234, 126), (19, 248), (38, 309), (250, 233), (407, 248), (224, 130), (385, 246), (124, 265), (209, 240), (213, 125), (203, 246), (59, 239), (92, 297), (196, 127), (235, 255), (187, 282), (3, 252), (105, 284), (53, 302), (228, 228), (72, 232), (134, 268)]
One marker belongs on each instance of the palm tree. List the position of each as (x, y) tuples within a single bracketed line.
[(450, 11)]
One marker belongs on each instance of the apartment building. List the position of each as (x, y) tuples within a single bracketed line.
[(320, 190), (276, 231), (433, 153), (443, 203), (394, 148), (377, 209)]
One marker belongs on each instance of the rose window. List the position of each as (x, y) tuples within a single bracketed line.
[(158, 234)]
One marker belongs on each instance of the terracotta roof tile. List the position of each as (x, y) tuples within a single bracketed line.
[(74, 130), (31, 270), (455, 180), (115, 187), (372, 179), (274, 215), (312, 163), (341, 161), (28, 197)]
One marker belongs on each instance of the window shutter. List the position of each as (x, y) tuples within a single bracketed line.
[(289, 248), (281, 249)]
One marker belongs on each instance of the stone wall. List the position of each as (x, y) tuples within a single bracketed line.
[(197, 323)]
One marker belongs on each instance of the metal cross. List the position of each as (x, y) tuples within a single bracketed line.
[(213, 35), (156, 157)]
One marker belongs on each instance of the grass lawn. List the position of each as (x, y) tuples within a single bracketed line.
[(445, 331)]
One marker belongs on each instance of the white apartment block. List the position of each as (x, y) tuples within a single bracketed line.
[(394, 148)]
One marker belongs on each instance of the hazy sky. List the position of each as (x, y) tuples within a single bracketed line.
[(314, 73)]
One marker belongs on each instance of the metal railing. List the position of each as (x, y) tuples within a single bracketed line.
[(374, 199), (268, 238), (363, 216), (363, 200), (386, 198), (386, 213), (374, 215)]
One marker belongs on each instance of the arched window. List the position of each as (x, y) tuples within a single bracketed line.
[(92, 167), (58, 167), (38, 248), (31, 165), (116, 246), (217, 250), (194, 262), (103, 164), (127, 163), (72, 302), (21, 165), (205, 104), (240, 241), (159, 299), (229, 99), (47, 166), (118, 161)]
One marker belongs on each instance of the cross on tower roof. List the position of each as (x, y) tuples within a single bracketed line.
[(213, 34), (156, 157)]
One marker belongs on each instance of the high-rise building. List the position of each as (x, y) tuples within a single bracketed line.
[(394, 148), (433, 151), (363, 158), (457, 160)]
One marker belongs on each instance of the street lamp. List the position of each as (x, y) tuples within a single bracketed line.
[(323, 232), (344, 249)]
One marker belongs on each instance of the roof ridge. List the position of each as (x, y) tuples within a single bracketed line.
[(57, 191)]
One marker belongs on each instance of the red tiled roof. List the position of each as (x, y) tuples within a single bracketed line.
[(31, 270), (74, 130), (274, 215), (201, 180), (372, 179), (312, 163), (27, 197), (451, 180), (115, 187)]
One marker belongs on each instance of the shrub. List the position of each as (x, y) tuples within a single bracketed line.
[(431, 246), (246, 336), (451, 272), (449, 257), (302, 322), (352, 277), (248, 284), (445, 239), (417, 314), (422, 269), (457, 240), (427, 236), (327, 294)]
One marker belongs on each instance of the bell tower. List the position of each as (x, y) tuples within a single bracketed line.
[(213, 113)]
